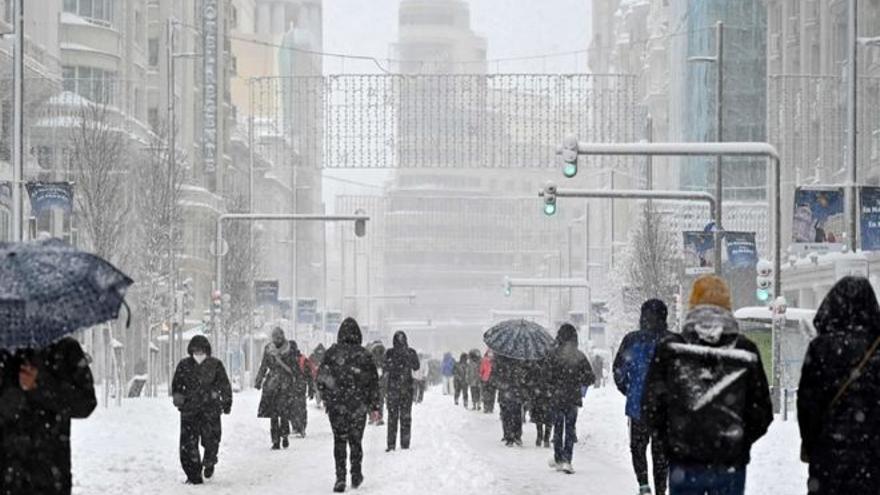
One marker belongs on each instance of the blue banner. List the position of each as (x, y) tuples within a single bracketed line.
[(742, 250), (332, 321), (819, 223), (306, 311), (266, 292), (869, 206), (46, 196), (699, 252)]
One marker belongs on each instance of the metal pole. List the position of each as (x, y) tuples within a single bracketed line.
[(18, 126), (172, 158), (342, 272), (719, 121), (852, 120), (649, 160), (588, 310), (570, 297), (324, 284), (251, 160)]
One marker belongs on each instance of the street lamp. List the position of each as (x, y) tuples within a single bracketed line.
[(718, 60)]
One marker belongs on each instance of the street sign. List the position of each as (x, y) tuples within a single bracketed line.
[(332, 321), (266, 292), (306, 311)]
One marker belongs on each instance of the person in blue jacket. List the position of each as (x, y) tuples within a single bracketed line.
[(447, 369), (630, 370)]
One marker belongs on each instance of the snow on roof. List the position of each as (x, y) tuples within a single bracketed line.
[(764, 313), (70, 18)]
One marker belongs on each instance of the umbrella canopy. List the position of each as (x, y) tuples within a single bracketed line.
[(519, 339), (49, 289)]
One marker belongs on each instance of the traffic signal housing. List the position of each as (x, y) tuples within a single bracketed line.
[(549, 195), (764, 291), (508, 290), (569, 155), (360, 226)]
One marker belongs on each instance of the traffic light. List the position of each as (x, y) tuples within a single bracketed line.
[(360, 226), (217, 303), (549, 195), (765, 281), (507, 288), (569, 154)]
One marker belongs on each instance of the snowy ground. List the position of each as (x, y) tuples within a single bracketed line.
[(133, 450)]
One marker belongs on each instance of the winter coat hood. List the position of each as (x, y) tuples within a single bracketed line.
[(199, 342), (851, 305), (711, 290), (349, 332), (567, 334), (708, 324), (400, 340), (653, 317)]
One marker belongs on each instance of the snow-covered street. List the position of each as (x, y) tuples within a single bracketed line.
[(133, 450)]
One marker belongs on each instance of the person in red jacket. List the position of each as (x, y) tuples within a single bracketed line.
[(489, 391)]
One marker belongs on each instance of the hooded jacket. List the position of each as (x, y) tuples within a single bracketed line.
[(842, 441), (706, 392), (400, 362), (448, 366), (201, 388), (486, 367), (636, 352), (567, 370), (35, 424), (347, 378)]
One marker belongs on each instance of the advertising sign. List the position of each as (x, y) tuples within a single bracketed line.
[(306, 311), (210, 77), (332, 322), (869, 208), (46, 196), (266, 292), (819, 222), (742, 249), (699, 252)]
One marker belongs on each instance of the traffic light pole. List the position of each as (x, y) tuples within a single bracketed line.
[(358, 219)]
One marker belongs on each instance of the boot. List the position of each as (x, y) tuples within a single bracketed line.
[(208, 471), (357, 479), (339, 487), (645, 490), (285, 443), (276, 446)]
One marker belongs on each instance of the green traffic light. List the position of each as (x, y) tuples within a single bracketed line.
[(507, 292), (570, 170), (763, 295), (550, 209)]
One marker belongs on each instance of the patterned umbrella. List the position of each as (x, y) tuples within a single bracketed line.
[(49, 289), (519, 339)]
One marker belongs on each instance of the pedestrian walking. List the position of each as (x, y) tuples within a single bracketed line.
[(706, 393), (567, 372), (447, 370), (420, 380), (377, 352), (598, 365), (460, 379), (201, 392), (40, 392), (510, 377), (316, 358), (277, 377), (539, 396), (303, 390), (488, 385), (400, 363), (472, 378), (838, 393), (630, 370), (349, 385)]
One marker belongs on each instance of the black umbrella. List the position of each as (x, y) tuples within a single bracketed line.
[(519, 339), (49, 289)]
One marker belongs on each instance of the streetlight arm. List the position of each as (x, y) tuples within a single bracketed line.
[(637, 194), (677, 149)]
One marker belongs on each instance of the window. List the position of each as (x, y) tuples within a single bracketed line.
[(153, 119), (91, 83), (97, 10), (153, 51)]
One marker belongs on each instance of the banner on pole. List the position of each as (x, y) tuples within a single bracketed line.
[(306, 311), (46, 196), (699, 252), (869, 208), (819, 223), (742, 249), (266, 292)]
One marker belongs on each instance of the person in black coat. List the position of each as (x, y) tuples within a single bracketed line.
[(510, 378), (277, 377), (539, 394), (349, 385), (706, 395), (841, 439), (303, 389), (567, 372), (40, 391), (201, 392), (459, 379), (400, 362)]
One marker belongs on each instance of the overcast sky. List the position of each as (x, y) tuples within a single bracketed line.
[(512, 27)]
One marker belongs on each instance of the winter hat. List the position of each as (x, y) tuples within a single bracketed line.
[(199, 342), (654, 314), (567, 334), (711, 290)]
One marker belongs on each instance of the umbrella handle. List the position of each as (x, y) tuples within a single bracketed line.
[(127, 312)]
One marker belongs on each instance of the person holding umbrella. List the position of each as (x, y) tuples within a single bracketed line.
[(50, 291), (201, 391)]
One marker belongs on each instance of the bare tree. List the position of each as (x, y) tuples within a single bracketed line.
[(99, 164), (240, 265)]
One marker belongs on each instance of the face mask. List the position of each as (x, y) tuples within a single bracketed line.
[(199, 357)]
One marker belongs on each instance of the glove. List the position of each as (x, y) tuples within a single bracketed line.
[(374, 416), (258, 385), (227, 409), (178, 400)]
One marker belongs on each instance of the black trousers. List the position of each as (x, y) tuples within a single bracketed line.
[(195, 429), (279, 427), (511, 418), (475, 396), (348, 432), (400, 410), (639, 437), (488, 396), (461, 388)]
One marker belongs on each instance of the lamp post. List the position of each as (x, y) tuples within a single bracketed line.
[(718, 60)]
